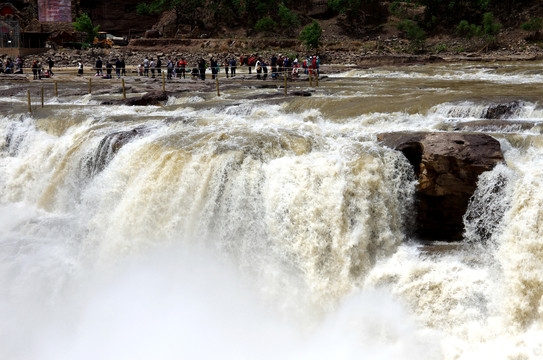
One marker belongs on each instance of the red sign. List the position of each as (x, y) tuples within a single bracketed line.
[(55, 10)]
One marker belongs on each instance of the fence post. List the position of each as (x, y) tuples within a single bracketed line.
[(56, 89), (163, 82), (285, 84), (124, 90), (42, 97), (90, 85), (217, 83), (29, 106)]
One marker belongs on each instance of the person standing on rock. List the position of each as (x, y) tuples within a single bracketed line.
[(50, 63), (118, 66), (273, 64), (35, 69), (98, 66), (183, 66), (109, 68), (226, 64), (152, 66), (258, 68), (80, 68), (146, 67), (233, 66), (202, 68), (158, 66), (123, 67), (214, 65), (169, 68)]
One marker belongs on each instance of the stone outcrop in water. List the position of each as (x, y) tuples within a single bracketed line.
[(110, 145), (150, 98), (447, 166)]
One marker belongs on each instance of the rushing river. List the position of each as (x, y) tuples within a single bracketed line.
[(239, 227)]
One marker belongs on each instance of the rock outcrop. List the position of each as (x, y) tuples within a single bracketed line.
[(447, 166), (150, 98)]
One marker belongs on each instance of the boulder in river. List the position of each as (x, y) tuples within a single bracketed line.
[(447, 166)]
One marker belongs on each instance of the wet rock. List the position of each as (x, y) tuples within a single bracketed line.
[(110, 145), (150, 98), (502, 111), (447, 166), (496, 125)]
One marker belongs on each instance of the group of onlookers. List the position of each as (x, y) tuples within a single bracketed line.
[(178, 68)]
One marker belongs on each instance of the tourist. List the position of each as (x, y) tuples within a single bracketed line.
[(80, 68), (214, 66), (50, 63), (98, 66), (202, 68), (169, 68), (158, 65), (118, 66), (146, 67), (226, 64), (183, 66), (152, 65), (35, 69), (123, 67), (258, 68), (233, 67), (273, 63), (109, 68)]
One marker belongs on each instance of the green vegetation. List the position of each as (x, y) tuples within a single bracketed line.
[(84, 24), (535, 25), (186, 11), (266, 24), (414, 33), (311, 35)]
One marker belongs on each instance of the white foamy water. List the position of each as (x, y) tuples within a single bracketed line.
[(222, 228)]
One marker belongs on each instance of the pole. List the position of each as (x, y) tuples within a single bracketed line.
[(317, 79), (42, 97), (217, 83), (163, 82), (124, 90), (285, 84), (310, 80), (90, 85), (29, 106), (56, 89)]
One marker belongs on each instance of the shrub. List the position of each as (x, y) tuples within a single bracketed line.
[(468, 30), (535, 24), (490, 26), (287, 18), (266, 24), (311, 35)]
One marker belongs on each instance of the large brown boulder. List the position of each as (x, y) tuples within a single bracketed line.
[(150, 98), (447, 166)]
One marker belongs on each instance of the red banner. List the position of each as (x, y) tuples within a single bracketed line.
[(55, 10)]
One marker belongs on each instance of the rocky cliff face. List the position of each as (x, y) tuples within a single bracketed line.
[(118, 17)]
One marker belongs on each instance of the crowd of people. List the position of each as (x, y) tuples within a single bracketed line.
[(17, 67), (277, 66), (179, 68)]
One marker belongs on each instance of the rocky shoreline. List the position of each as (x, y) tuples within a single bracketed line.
[(355, 53)]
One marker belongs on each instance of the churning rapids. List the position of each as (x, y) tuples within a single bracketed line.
[(239, 227)]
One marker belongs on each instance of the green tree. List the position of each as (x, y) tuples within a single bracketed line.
[(84, 24), (311, 35), (414, 33), (266, 24), (287, 18)]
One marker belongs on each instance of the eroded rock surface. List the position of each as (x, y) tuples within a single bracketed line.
[(447, 166)]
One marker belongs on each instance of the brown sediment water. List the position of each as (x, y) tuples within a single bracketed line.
[(255, 218)]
